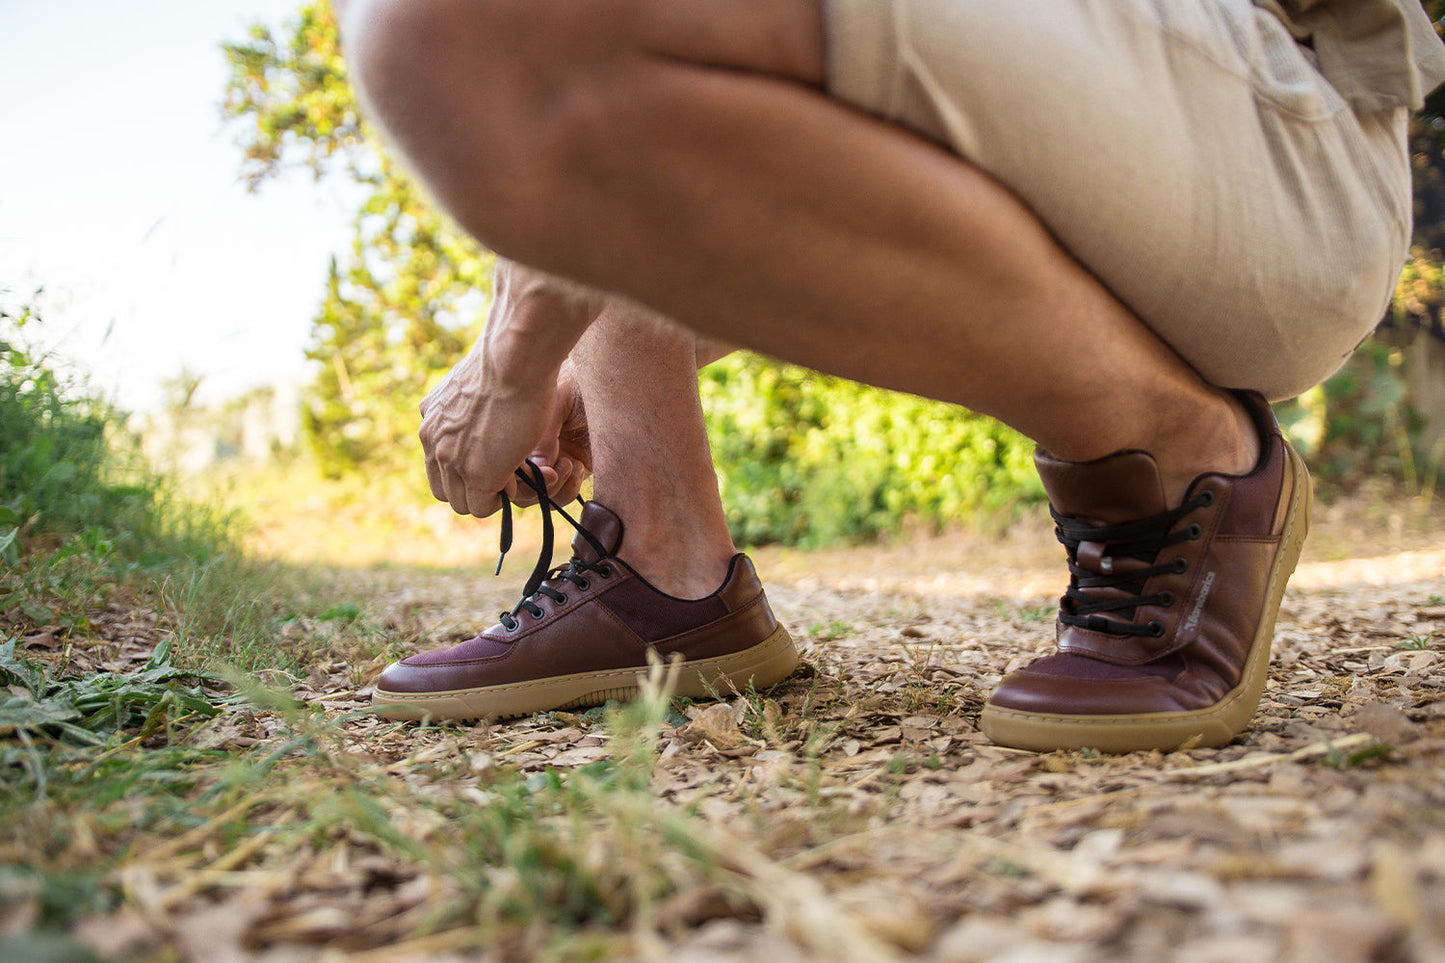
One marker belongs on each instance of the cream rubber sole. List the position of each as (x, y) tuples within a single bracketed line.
[(767, 663), (1211, 726)]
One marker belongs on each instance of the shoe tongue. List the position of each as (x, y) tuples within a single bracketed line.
[(604, 525), (1110, 491)]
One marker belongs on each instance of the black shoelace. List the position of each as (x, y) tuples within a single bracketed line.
[(1141, 540), (574, 571)]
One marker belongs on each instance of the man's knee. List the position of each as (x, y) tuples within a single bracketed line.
[(405, 59), (477, 95), (390, 44)]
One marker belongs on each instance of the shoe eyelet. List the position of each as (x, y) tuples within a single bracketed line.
[(1194, 531), (1166, 599), (1206, 498), (583, 584), (605, 571), (1156, 629), (561, 600), (1180, 565)]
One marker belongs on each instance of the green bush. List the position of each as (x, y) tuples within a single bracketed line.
[(69, 473), (808, 460), (81, 516), (1360, 424)]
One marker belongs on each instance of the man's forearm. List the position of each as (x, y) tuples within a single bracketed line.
[(535, 322)]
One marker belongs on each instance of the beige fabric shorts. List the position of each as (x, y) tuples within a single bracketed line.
[(1187, 152)]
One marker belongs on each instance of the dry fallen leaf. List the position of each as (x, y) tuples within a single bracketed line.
[(715, 723)]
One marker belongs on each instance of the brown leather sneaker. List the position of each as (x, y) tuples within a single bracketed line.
[(582, 636), (1165, 630)]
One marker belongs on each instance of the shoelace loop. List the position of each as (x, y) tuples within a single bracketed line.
[(1141, 540), (574, 571)]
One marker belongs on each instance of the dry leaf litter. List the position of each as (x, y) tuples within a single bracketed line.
[(860, 812)]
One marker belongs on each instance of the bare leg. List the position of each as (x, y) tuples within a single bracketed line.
[(682, 155), (650, 458), (679, 154)]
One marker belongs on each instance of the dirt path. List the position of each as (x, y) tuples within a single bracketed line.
[(894, 830)]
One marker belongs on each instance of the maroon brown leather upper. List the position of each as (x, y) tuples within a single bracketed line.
[(611, 623), (1206, 631)]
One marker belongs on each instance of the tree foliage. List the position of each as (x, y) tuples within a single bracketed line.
[(71, 480), (405, 302), (811, 460)]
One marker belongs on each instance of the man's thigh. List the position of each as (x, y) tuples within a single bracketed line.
[(536, 49), (1187, 153)]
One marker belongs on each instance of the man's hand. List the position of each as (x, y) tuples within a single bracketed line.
[(473, 436), (564, 452), (511, 398)]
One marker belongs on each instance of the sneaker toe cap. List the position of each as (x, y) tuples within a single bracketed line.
[(1076, 686)]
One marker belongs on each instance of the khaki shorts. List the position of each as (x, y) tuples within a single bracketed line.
[(1187, 152)]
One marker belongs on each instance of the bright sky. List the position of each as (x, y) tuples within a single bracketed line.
[(119, 194)]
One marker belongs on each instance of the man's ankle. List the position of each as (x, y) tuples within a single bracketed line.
[(692, 576), (1221, 438)]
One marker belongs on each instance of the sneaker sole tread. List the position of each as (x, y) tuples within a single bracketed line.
[(765, 664)]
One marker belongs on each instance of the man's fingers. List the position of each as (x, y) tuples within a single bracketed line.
[(471, 502), (526, 495), (456, 491), (448, 485), (569, 478), (434, 480), (563, 482), (569, 482)]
